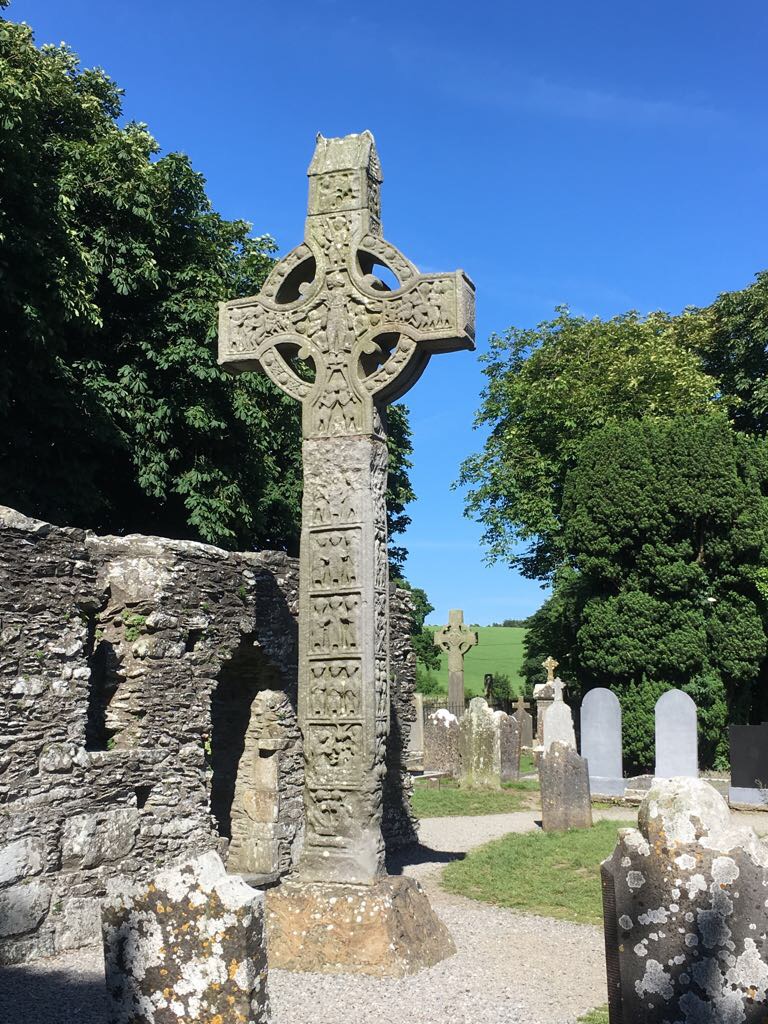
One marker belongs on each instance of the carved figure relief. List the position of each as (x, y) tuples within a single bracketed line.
[(335, 747), (329, 816), (334, 559), (334, 625), (335, 689)]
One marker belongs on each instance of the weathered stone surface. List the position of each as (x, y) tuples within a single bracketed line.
[(415, 752), (148, 655), (558, 721), (387, 929), (441, 742), (684, 899), (367, 346), (677, 747), (489, 747), (455, 639), (21, 859), (565, 798), (188, 946), (601, 741), (23, 907), (524, 724)]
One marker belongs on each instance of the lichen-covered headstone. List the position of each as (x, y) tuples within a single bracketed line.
[(601, 741), (187, 946), (684, 901), (558, 721), (489, 747), (441, 742), (676, 736), (564, 782)]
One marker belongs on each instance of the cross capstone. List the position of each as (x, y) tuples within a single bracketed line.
[(324, 327), (550, 665)]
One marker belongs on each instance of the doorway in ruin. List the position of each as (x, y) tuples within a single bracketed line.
[(256, 760)]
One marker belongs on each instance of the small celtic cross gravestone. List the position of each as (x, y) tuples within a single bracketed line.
[(550, 665), (455, 639), (331, 334)]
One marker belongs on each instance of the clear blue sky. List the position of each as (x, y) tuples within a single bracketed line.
[(606, 155)]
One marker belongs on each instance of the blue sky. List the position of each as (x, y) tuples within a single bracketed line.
[(609, 156)]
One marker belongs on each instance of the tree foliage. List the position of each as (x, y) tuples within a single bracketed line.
[(666, 539), (546, 390), (114, 413)]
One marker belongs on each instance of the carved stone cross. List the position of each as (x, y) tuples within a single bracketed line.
[(558, 686), (550, 665), (522, 704), (456, 639), (332, 334)]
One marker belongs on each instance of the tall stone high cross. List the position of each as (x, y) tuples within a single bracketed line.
[(456, 639), (330, 333)]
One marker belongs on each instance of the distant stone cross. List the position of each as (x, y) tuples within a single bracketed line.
[(332, 334), (558, 686), (550, 665), (522, 704), (456, 639)]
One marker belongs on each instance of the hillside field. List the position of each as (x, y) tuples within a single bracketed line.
[(500, 649)]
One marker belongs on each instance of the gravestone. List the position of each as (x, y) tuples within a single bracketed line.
[(187, 946), (489, 747), (558, 722), (677, 752), (332, 335), (544, 694), (441, 742), (749, 764), (524, 723), (685, 912), (565, 795), (601, 741), (415, 751), (455, 639)]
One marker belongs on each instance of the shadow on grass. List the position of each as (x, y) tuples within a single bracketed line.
[(37, 996), (397, 860)]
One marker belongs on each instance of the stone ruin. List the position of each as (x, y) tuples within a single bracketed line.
[(149, 693), (685, 909)]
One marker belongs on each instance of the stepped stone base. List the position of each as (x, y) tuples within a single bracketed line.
[(387, 929)]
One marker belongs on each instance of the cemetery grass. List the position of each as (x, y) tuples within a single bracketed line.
[(551, 874), (450, 801), (499, 649), (598, 1016)]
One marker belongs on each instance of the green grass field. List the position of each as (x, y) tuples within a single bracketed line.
[(450, 801), (552, 874), (500, 649)]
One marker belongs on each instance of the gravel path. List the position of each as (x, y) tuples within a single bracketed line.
[(509, 968)]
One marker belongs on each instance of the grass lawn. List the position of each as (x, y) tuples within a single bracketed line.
[(553, 874), (598, 1016), (499, 649), (450, 801)]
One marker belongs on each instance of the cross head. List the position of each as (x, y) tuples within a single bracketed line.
[(550, 665), (328, 327)]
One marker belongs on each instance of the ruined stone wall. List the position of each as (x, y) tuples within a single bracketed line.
[(130, 732)]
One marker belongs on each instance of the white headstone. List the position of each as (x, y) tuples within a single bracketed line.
[(558, 722), (677, 749), (601, 741)]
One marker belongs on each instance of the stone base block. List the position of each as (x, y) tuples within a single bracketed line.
[(387, 929)]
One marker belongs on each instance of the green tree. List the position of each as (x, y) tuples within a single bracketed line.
[(731, 336), (546, 390), (666, 539), (114, 413)]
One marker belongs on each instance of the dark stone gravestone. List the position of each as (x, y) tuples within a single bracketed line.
[(749, 764), (565, 798)]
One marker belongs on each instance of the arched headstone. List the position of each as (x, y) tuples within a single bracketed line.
[(677, 748), (601, 741)]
